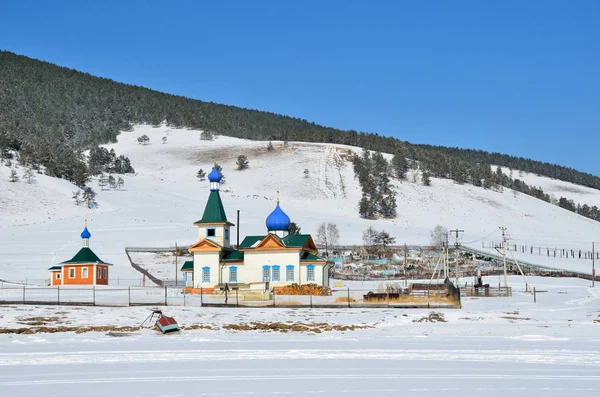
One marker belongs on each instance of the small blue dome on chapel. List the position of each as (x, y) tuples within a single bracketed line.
[(86, 233), (215, 175), (278, 220)]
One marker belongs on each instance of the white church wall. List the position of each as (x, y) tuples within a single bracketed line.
[(254, 261), (221, 236), (202, 260)]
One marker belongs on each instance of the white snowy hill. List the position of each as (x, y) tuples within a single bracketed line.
[(40, 224)]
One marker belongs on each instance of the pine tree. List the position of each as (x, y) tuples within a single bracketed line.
[(29, 176), (426, 178), (77, 197), (306, 173), (103, 181), (294, 228), (400, 164), (201, 174), (89, 196), (242, 162), (120, 183), (13, 176), (112, 182)]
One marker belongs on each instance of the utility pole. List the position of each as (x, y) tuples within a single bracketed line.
[(593, 265), (175, 263), (456, 251), (503, 229), (405, 265)]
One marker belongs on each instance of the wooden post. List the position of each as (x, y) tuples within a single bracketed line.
[(534, 297), (201, 304), (94, 294), (58, 294), (129, 296), (311, 299), (593, 265), (348, 297), (237, 303), (165, 295), (23, 293)]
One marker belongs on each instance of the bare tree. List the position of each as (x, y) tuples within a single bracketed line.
[(369, 236), (439, 236), (328, 234)]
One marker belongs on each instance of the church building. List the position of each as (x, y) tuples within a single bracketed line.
[(275, 259), (85, 268)]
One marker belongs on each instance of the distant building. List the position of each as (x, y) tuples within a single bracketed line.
[(85, 268), (260, 262)]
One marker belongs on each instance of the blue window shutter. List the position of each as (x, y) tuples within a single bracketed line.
[(206, 274), (289, 273), (276, 273), (233, 275), (266, 273), (310, 273)]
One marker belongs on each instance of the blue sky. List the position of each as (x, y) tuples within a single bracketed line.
[(517, 77)]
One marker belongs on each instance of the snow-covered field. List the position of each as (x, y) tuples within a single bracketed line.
[(493, 346), (40, 225)]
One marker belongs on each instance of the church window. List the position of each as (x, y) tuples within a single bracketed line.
[(211, 232), (275, 273), (71, 273), (226, 234), (233, 274), (266, 274), (99, 272), (58, 276), (206, 274), (289, 273), (105, 273), (84, 272), (310, 273)]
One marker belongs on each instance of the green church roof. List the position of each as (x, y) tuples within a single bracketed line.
[(295, 240), (188, 266), (232, 255), (85, 255), (249, 241), (214, 211), (307, 256)]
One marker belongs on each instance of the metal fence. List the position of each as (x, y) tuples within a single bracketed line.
[(175, 296)]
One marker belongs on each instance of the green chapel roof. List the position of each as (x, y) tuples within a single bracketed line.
[(295, 240), (249, 241), (214, 211), (188, 266), (85, 255), (232, 255), (307, 256)]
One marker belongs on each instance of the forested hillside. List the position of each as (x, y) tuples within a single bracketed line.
[(50, 114)]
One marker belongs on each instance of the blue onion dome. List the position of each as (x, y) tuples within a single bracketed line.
[(278, 220), (86, 233), (215, 175)]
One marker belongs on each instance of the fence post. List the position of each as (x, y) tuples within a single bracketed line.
[(166, 295), (94, 294), (237, 304), (348, 297), (201, 304), (129, 296), (311, 299), (58, 294), (23, 293), (274, 294), (534, 297), (388, 298)]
